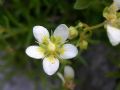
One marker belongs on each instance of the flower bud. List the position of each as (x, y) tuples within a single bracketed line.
[(68, 72), (73, 33), (83, 44)]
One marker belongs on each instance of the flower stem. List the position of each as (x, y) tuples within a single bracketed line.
[(96, 26)]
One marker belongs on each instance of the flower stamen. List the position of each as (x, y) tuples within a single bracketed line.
[(51, 47)]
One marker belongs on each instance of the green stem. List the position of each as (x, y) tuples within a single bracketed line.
[(96, 26)]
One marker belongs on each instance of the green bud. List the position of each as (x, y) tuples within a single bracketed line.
[(83, 44), (73, 33)]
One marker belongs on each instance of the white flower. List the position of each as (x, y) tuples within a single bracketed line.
[(68, 74), (113, 35), (51, 48)]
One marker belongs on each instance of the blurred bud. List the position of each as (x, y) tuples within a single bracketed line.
[(83, 44), (68, 72), (73, 33)]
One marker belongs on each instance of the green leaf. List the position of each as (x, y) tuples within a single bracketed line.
[(82, 4)]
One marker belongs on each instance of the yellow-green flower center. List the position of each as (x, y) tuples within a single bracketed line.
[(51, 47)]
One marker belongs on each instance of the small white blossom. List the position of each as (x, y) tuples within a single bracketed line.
[(113, 35), (51, 48)]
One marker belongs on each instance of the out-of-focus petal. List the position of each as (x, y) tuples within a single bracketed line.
[(113, 35)]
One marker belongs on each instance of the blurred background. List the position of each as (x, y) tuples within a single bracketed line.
[(96, 68)]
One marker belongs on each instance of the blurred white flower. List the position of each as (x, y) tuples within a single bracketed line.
[(111, 14), (51, 49), (113, 35)]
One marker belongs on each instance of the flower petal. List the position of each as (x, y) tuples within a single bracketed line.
[(34, 52), (69, 72), (40, 33), (50, 66), (113, 35), (62, 32), (117, 3), (69, 51)]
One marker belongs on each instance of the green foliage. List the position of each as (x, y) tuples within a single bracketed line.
[(82, 4)]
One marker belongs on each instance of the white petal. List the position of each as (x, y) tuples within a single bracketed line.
[(113, 35), (69, 51), (68, 72), (34, 52), (40, 33), (50, 66), (117, 3), (62, 32)]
